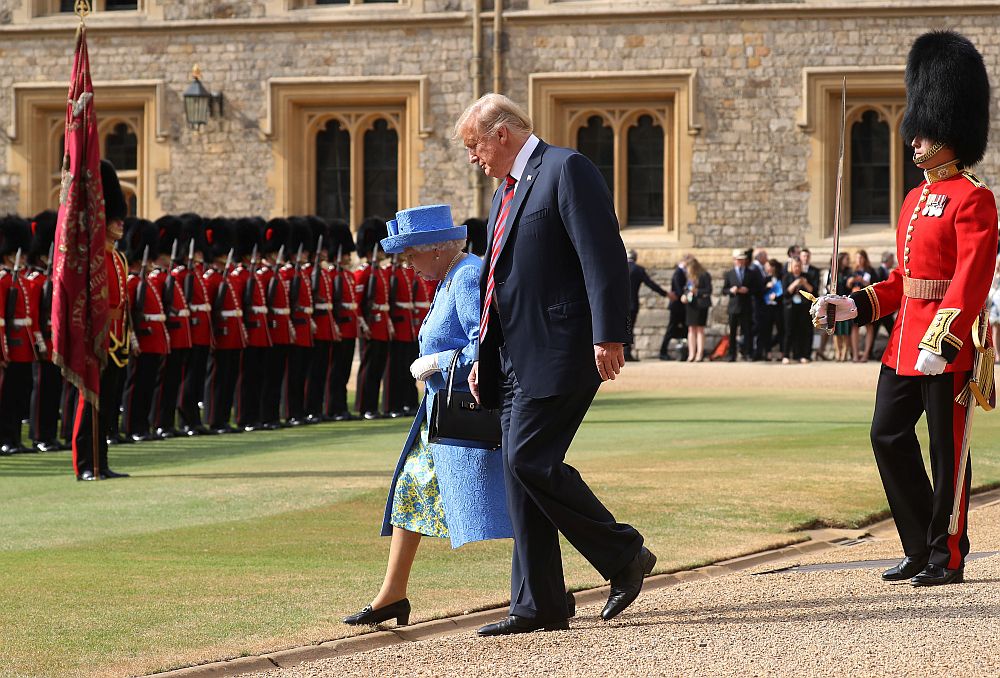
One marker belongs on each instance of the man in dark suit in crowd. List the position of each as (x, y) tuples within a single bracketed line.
[(677, 321), (554, 325), (740, 283), (808, 270), (637, 277)]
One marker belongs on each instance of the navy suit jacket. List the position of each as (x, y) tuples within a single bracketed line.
[(561, 279)]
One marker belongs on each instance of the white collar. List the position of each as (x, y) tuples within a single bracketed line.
[(521, 161)]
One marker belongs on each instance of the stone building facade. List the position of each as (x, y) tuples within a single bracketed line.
[(714, 121)]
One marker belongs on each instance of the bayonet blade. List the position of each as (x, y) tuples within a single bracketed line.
[(839, 194)]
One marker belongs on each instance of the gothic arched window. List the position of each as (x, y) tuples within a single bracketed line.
[(870, 178), (381, 169), (597, 141), (333, 171), (121, 147), (645, 172)]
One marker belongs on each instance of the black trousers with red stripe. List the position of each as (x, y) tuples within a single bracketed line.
[(274, 378), (223, 373), (15, 400), (46, 393), (318, 376), (340, 374), (295, 381), (168, 389), (922, 506), (374, 356), (140, 384), (402, 391), (83, 438), (193, 386), (251, 382)]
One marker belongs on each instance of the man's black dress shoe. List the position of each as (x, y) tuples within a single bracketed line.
[(87, 475), (625, 585), (6, 450), (108, 473), (269, 426), (935, 575), (513, 624), (369, 416), (344, 416), (46, 446), (400, 610), (906, 569), (313, 419)]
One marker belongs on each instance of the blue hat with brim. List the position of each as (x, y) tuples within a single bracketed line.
[(424, 225)]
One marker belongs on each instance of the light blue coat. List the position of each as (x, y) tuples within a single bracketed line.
[(471, 480)]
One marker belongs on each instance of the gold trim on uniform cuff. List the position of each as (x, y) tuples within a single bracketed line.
[(916, 288), (940, 331), (873, 298)]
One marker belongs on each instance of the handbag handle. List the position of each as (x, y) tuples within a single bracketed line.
[(451, 375)]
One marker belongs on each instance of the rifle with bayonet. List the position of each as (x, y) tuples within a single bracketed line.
[(275, 280), (248, 289), (295, 286), (220, 296), (45, 302), (316, 264), (338, 286), (10, 303), (168, 285), (371, 288), (140, 292), (414, 324)]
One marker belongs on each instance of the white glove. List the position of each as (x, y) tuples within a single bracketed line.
[(929, 363), (845, 307), (423, 367)]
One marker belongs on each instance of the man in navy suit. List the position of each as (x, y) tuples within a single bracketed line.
[(554, 325)]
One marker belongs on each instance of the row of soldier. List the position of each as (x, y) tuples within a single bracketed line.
[(236, 325)]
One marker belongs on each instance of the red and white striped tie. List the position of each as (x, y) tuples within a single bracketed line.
[(498, 230)]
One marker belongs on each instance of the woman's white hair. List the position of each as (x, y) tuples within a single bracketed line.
[(491, 112), (443, 246)]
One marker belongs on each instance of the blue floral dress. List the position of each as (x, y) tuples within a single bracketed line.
[(416, 501)]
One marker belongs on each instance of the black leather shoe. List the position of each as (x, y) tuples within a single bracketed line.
[(394, 414), (570, 605), (625, 585), (87, 475), (270, 426), (167, 432), (107, 474), (369, 416), (935, 575), (513, 624), (46, 446), (906, 569), (313, 419), (294, 421), (400, 610), (344, 416), (7, 450)]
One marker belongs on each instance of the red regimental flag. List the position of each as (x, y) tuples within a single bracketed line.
[(79, 276)]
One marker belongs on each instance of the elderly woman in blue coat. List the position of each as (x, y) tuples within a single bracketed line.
[(437, 490)]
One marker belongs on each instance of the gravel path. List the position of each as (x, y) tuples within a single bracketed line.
[(837, 623)]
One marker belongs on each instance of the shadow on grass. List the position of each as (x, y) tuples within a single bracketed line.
[(267, 474)]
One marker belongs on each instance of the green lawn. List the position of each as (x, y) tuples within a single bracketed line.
[(218, 547)]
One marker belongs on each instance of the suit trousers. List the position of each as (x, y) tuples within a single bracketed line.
[(798, 331), (318, 376), (46, 394), (676, 328), (274, 379), (223, 373), (193, 386), (248, 388), (15, 400), (295, 381), (83, 438), (402, 391), (167, 394), (68, 415), (921, 506), (374, 356), (340, 373), (546, 496), (739, 325), (140, 384)]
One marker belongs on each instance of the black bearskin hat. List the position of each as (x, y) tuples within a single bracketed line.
[(115, 206), (16, 234), (318, 226), (220, 234), (43, 233), (170, 230), (948, 95), (476, 236), (274, 235), (247, 237), (370, 232), (299, 234), (193, 228), (138, 234), (340, 238)]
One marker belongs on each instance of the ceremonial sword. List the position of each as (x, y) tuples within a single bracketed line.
[(831, 285)]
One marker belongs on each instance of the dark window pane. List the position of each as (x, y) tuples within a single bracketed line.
[(119, 5), (369, 2), (121, 147), (67, 5), (333, 172), (597, 142), (645, 172), (869, 170), (381, 170), (132, 200), (333, 2), (913, 176)]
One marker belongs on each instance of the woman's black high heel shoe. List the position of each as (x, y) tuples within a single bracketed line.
[(400, 610)]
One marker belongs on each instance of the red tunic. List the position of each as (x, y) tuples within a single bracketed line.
[(326, 328), (179, 314), (279, 320), (20, 336), (151, 329), (376, 309), (41, 324), (118, 327), (227, 318), (302, 311), (201, 310), (254, 312), (423, 298), (402, 311), (947, 233), (346, 306)]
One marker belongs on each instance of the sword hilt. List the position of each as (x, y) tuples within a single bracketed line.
[(831, 318)]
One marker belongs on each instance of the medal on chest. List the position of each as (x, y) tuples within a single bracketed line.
[(935, 205)]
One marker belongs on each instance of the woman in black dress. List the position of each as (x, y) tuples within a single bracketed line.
[(798, 326), (697, 299)]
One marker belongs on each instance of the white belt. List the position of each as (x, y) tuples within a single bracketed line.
[(2, 322), (281, 311), (259, 309), (154, 317), (232, 314), (421, 304), (350, 307), (323, 307), (380, 307), (183, 313), (304, 309), (406, 306), (204, 308), (22, 322)]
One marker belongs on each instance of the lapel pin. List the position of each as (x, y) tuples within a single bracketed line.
[(529, 177)]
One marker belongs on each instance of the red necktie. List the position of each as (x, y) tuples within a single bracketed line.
[(498, 229)]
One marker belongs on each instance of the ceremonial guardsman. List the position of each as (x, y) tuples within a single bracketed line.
[(403, 350), (15, 389), (371, 282), (190, 275), (47, 381), (168, 279), (225, 292), (85, 465), (946, 243), (252, 366), (300, 247), (152, 341), (326, 334), (279, 320), (346, 312)]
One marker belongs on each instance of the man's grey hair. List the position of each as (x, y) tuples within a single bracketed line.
[(491, 112), (444, 246)]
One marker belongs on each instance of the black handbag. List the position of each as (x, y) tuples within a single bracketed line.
[(458, 420)]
